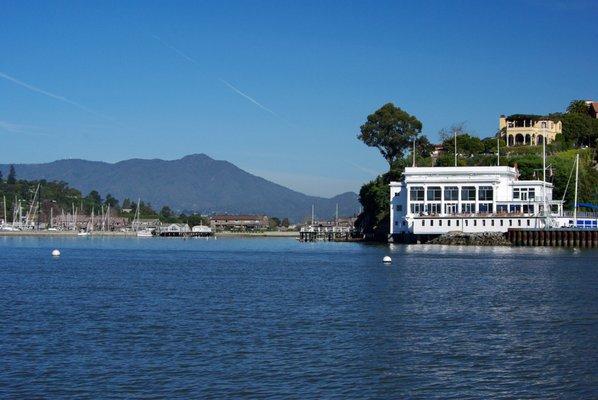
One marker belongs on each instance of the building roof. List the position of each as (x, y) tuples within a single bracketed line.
[(241, 217), (594, 106), (464, 170)]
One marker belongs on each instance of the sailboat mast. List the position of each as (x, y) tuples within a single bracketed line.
[(544, 175), (498, 151), (576, 180), (455, 147)]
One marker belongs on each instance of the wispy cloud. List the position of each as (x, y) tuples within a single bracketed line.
[(11, 127), (223, 81), (21, 129), (364, 169), (55, 96)]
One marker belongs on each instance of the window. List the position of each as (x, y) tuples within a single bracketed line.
[(417, 208), (399, 207), (501, 208), (510, 222), (423, 222), (475, 222), (528, 223), (448, 222), (484, 222), (416, 193), (515, 208), (451, 208), (451, 193), (468, 193), (468, 207), (524, 194), (440, 223), (434, 208), (434, 193), (518, 222), (396, 223), (485, 207), (431, 222), (457, 222), (466, 223), (485, 193), (492, 222), (501, 222)]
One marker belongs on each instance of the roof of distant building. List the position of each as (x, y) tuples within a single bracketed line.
[(241, 217)]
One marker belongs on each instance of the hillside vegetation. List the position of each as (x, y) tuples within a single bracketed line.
[(580, 136)]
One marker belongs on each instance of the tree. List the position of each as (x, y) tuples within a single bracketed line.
[(391, 130), (577, 107), (577, 128), (12, 176), (111, 201), (166, 212), (94, 197), (273, 222), (285, 222), (458, 128), (0, 176)]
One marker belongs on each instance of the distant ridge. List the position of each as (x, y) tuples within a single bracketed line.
[(195, 183)]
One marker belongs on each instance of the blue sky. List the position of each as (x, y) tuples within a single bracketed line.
[(279, 88)]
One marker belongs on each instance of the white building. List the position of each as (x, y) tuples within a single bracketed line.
[(437, 200)]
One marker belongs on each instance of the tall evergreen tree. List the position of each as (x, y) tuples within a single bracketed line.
[(12, 176)]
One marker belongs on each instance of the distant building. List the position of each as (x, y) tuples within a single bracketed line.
[(530, 130), (592, 108), (81, 221), (239, 222), (175, 228)]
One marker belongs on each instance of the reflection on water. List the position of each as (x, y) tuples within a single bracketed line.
[(176, 318)]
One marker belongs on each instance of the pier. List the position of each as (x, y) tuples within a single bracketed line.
[(553, 237)]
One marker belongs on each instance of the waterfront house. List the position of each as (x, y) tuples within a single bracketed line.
[(175, 229), (531, 130), (239, 222), (438, 200)]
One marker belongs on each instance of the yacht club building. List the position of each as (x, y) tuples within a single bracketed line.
[(437, 200)]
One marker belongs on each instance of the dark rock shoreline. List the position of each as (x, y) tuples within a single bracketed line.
[(471, 239)]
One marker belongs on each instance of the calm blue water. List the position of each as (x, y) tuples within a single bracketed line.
[(171, 318)]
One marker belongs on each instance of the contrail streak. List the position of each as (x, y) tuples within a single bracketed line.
[(54, 96), (251, 99), (223, 81)]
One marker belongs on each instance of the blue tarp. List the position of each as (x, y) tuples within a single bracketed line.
[(588, 205)]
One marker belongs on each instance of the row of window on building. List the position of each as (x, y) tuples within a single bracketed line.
[(468, 193), (467, 208), (472, 222), (434, 193)]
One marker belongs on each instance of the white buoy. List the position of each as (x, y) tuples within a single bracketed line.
[(387, 260), (55, 253)]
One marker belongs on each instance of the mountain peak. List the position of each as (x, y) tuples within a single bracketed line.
[(193, 183)]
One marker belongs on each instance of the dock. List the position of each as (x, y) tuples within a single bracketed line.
[(554, 237)]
